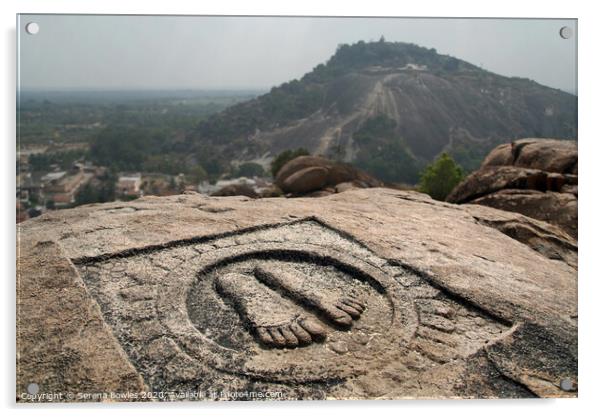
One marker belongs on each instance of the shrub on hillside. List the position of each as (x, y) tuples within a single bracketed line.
[(439, 178), (249, 170)]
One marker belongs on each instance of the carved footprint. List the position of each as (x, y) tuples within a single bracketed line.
[(277, 322), (292, 283)]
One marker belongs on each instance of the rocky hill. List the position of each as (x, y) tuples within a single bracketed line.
[(388, 108)]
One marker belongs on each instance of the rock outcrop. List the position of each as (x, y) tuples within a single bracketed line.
[(369, 293), (235, 190), (321, 176), (551, 155), (534, 177)]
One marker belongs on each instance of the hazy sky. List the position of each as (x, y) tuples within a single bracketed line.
[(163, 52)]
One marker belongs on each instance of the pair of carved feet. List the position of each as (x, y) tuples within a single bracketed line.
[(273, 303)]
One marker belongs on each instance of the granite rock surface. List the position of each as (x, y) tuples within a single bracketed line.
[(367, 294)]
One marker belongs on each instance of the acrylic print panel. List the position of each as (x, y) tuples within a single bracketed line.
[(291, 208)]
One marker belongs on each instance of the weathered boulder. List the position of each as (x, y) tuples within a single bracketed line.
[(236, 189), (346, 186), (547, 239), (534, 177), (552, 207), (551, 155), (305, 174), (490, 179), (369, 293), (306, 180), (271, 191)]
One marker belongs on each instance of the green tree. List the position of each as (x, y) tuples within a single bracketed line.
[(106, 191), (212, 160), (250, 170), (284, 157), (99, 190), (171, 164), (196, 174), (126, 148), (65, 160), (86, 195), (439, 178), (172, 183)]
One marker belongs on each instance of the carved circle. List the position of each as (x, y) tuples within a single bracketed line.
[(214, 332)]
